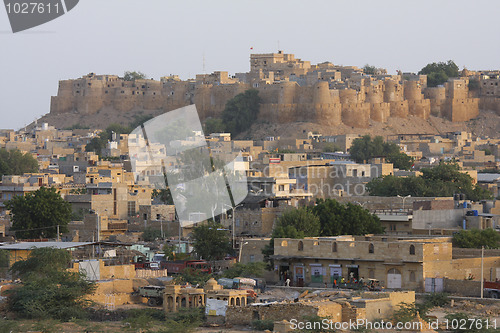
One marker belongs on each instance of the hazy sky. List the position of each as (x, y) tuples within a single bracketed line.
[(161, 37)]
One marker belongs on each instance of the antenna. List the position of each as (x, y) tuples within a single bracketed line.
[(204, 72)]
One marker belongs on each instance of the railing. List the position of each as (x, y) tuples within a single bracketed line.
[(399, 212)]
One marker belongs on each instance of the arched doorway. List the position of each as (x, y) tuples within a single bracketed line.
[(393, 279)]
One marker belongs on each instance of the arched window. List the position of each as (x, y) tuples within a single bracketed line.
[(284, 243), (394, 271), (412, 249), (334, 247), (371, 248), (238, 302), (301, 246)]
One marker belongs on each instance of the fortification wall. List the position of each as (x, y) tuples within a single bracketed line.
[(380, 112), (283, 102), (356, 114), (399, 109), (461, 109), (419, 108)]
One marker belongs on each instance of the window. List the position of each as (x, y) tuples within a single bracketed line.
[(412, 249), (412, 276), (301, 246), (131, 208), (371, 248), (334, 247), (282, 187), (284, 243), (252, 258), (371, 274)]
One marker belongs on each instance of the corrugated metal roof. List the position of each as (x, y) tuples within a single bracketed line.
[(487, 177), (36, 245)]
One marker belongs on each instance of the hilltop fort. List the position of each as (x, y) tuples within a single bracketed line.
[(292, 90)]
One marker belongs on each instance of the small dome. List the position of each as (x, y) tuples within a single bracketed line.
[(211, 282)]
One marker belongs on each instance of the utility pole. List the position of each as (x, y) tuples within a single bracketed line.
[(58, 238), (482, 265)]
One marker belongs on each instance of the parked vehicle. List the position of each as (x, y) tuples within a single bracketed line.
[(143, 264), (154, 294), (491, 289), (177, 266)]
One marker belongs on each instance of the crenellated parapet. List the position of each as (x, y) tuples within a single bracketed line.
[(291, 90)]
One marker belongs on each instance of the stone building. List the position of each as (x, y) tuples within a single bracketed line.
[(398, 262), (291, 89)]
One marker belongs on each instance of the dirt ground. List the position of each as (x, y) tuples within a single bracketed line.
[(487, 123)]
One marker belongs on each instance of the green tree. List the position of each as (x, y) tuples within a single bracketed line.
[(48, 289), (369, 70), (252, 269), (214, 125), (294, 223), (98, 143), (132, 76), (211, 242), (443, 180), (476, 238), (337, 219), (14, 162), (241, 111), (38, 213), (439, 73), (331, 148), (400, 160), (366, 148), (150, 234)]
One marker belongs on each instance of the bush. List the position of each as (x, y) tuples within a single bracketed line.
[(407, 312), (437, 299), (262, 325), (150, 235)]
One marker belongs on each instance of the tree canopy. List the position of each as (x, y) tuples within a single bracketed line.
[(476, 238), (327, 218), (241, 111), (14, 162), (211, 242), (98, 143), (443, 180), (369, 70), (438, 73), (214, 125), (338, 219), (48, 289), (132, 76), (38, 213), (366, 148)]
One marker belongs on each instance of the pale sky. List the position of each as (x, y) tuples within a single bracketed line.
[(161, 37)]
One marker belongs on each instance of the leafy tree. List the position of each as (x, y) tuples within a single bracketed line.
[(337, 219), (369, 70), (443, 180), (132, 76), (366, 148), (150, 234), (14, 162), (214, 125), (211, 242), (138, 121), (38, 213), (439, 73), (48, 289), (400, 160), (252, 269), (476, 238), (4, 258), (295, 223), (331, 148), (98, 143), (408, 312), (473, 84), (241, 111), (305, 222)]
